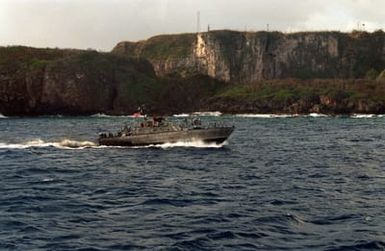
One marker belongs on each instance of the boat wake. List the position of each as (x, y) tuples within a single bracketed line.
[(38, 143), (194, 144), (73, 144)]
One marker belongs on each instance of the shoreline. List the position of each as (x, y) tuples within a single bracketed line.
[(203, 114)]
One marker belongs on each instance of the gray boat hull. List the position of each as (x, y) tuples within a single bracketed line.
[(206, 135)]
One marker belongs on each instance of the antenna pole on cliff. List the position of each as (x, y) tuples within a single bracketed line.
[(267, 27), (198, 21)]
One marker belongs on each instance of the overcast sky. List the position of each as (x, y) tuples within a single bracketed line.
[(100, 24)]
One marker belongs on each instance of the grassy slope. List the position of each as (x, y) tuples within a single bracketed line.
[(21, 57), (167, 46)]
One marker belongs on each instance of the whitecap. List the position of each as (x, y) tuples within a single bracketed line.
[(208, 114), (363, 116), (2, 116), (102, 115), (182, 115), (267, 115), (317, 115)]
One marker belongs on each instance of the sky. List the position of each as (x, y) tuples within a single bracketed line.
[(101, 24)]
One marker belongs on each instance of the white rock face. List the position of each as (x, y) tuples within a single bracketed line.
[(252, 58), (243, 57), (209, 57)]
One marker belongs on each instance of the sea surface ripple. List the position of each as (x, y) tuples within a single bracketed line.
[(281, 183)]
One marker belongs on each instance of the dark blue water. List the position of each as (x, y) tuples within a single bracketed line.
[(280, 184)]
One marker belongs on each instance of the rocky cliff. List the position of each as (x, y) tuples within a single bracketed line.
[(50, 81), (228, 71), (244, 57), (74, 82)]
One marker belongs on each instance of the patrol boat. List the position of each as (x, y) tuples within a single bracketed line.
[(158, 130)]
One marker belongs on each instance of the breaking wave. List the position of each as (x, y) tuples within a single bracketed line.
[(202, 114), (367, 116), (2, 116), (64, 144), (266, 115), (312, 115), (208, 114), (317, 115), (102, 115), (182, 115)]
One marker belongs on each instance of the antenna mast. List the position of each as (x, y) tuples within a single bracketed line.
[(198, 21)]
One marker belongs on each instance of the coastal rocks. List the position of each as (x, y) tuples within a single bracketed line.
[(300, 106)]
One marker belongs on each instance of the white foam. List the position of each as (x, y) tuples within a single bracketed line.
[(73, 144), (313, 115), (2, 116), (364, 116), (208, 114), (102, 115), (182, 115), (64, 144), (266, 115), (192, 144), (317, 115)]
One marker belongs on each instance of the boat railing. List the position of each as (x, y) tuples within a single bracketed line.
[(148, 127), (218, 124)]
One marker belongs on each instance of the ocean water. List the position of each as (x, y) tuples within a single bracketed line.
[(279, 183)]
